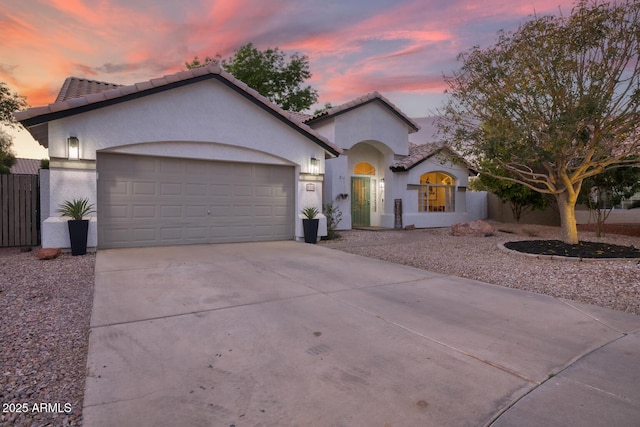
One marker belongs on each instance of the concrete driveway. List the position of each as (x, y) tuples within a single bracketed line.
[(291, 334)]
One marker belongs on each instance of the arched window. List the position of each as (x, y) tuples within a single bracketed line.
[(364, 168), (437, 192)]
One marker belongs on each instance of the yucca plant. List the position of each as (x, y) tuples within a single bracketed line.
[(76, 208), (310, 212)]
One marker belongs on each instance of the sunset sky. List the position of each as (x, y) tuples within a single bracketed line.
[(400, 48)]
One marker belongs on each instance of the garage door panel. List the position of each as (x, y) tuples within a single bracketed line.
[(263, 191), (220, 190), (142, 164), (147, 201), (263, 211), (144, 188), (242, 190), (113, 237), (220, 211), (144, 212), (171, 211), (197, 189), (194, 233), (115, 212), (242, 211), (170, 233), (144, 234), (170, 189), (196, 212), (117, 187)]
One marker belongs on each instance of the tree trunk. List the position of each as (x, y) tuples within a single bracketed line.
[(567, 208)]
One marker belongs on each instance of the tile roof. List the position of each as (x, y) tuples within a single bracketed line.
[(422, 152), (76, 87), (370, 97), (105, 94), (301, 117), (26, 167)]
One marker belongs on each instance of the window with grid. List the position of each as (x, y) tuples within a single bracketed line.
[(436, 193)]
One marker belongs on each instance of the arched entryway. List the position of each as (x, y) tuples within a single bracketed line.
[(361, 194), (367, 163)]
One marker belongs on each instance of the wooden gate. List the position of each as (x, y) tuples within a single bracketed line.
[(19, 210)]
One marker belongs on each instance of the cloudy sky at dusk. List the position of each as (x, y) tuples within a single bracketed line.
[(400, 48)]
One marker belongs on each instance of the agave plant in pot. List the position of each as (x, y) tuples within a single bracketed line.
[(310, 224), (76, 209)]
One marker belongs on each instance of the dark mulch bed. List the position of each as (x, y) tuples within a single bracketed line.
[(581, 250)]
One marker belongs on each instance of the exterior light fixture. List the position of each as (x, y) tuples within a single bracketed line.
[(314, 166), (73, 146), (382, 184)]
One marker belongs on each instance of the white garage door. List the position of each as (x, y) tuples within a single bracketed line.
[(155, 201)]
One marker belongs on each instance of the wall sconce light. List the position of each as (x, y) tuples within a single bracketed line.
[(73, 146), (314, 166), (382, 184)]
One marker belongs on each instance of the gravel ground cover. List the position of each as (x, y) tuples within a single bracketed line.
[(607, 283), (45, 308)]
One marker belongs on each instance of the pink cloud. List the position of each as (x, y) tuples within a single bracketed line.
[(395, 48)]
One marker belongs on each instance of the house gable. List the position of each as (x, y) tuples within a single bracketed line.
[(185, 122), (368, 118), (358, 102)]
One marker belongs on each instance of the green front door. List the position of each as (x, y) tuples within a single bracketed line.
[(360, 202)]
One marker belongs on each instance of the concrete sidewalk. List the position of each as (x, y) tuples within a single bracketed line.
[(285, 333)]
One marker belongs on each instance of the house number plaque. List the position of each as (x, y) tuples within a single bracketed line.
[(311, 187)]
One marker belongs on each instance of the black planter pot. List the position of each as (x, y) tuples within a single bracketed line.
[(78, 231), (310, 227)]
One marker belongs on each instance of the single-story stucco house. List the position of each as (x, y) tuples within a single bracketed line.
[(199, 157)]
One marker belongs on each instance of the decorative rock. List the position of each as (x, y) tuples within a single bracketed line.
[(410, 227), (48, 253), (476, 228)]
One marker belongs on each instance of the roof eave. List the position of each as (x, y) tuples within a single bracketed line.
[(42, 119), (451, 153)]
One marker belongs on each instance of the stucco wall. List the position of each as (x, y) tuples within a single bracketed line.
[(338, 182), (501, 211), (205, 120), (372, 121), (68, 184), (411, 215), (309, 189), (202, 112), (616, 216)]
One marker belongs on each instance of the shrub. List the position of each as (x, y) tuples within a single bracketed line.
[(334, 216)]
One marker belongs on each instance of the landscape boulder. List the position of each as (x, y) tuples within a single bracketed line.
[(476, 228), (48, 253)]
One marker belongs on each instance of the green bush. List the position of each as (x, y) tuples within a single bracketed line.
[(334, 216)]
